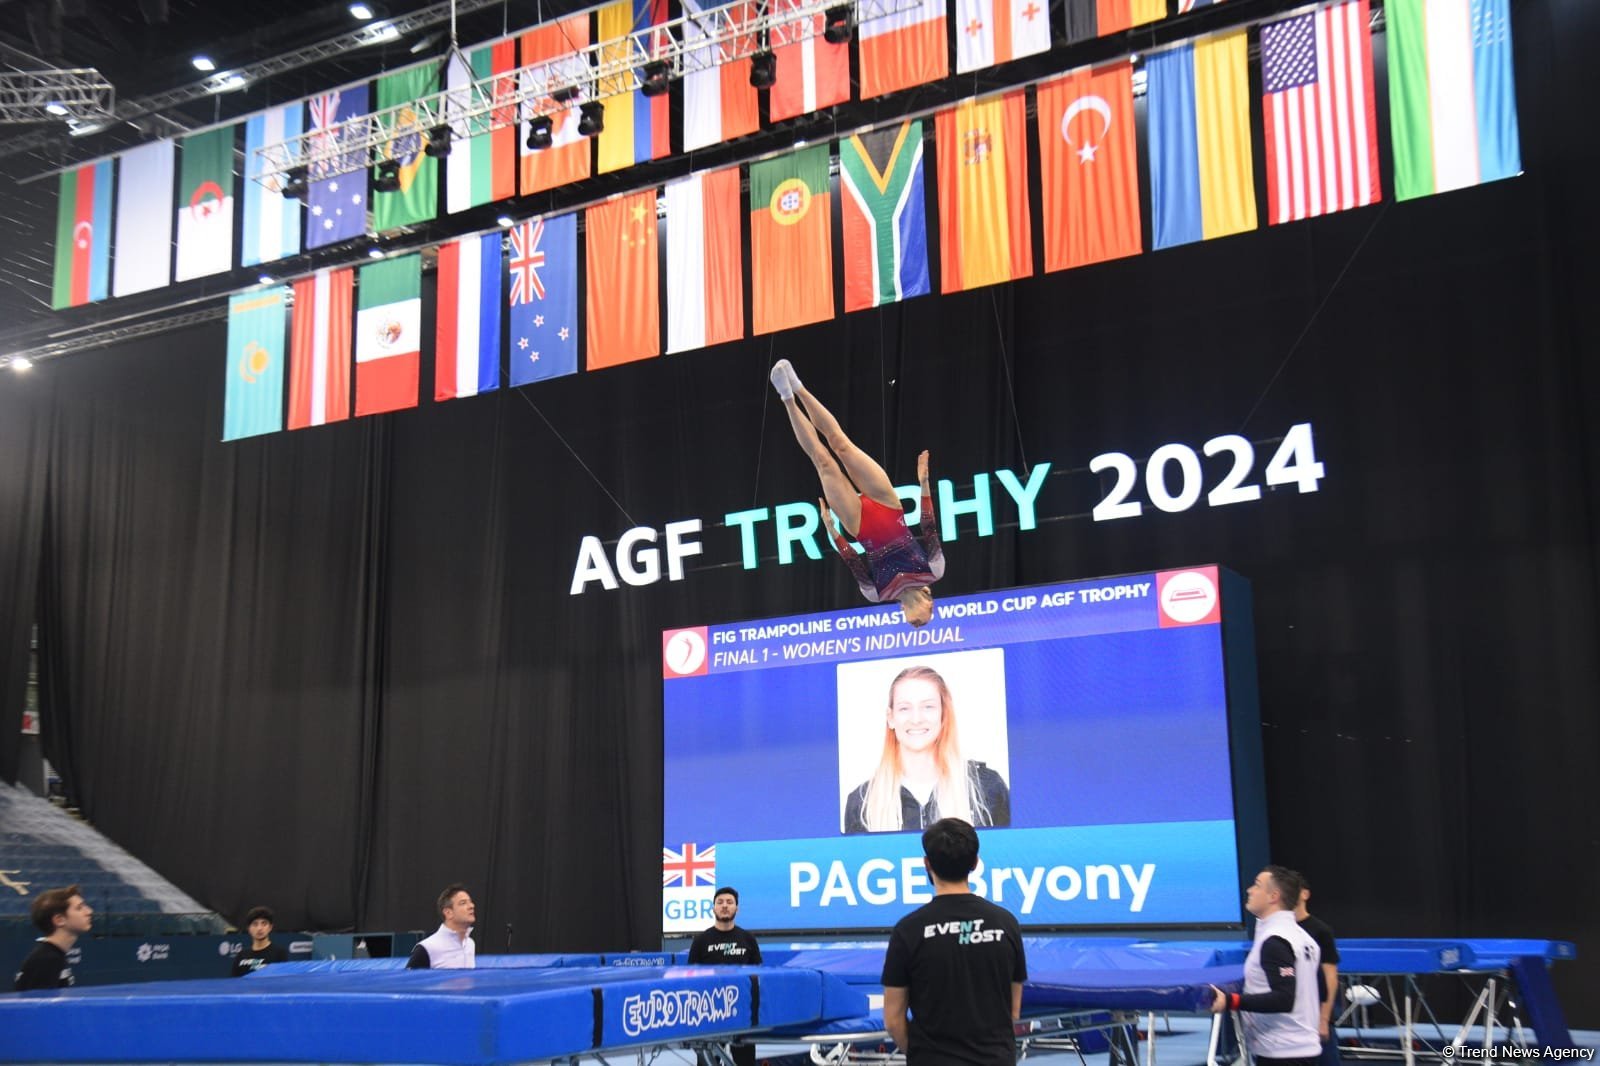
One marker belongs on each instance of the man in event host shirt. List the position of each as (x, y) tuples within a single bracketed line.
[(725, 944), (957, 962)]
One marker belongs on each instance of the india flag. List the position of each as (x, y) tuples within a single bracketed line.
[(1452, 95), (388, 334)]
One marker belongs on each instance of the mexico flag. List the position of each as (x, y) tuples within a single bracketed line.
[(388, 334)]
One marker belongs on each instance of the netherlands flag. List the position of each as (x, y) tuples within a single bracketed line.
[(470, 296)]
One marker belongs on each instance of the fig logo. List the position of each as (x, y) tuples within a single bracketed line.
[(1188, 597), (683, 652)]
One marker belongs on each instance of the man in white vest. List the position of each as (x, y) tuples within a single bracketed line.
[(1280, 1002), (451, 947)]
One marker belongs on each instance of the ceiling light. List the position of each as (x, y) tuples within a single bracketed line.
[(294, 182), (836, 27), (227, 83), (763, 70), (361, 11), (203, 64), (55, 107), (380, 34), (655, 80), (388, 179), (591, 118), (19, 363), (505, 221), (439, 138), (375, 252), (541, 132), (265, 279)]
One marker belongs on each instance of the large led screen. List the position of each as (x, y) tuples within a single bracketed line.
[(1083, 727)]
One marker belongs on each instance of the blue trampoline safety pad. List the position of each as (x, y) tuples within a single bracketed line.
[(500, 1015)]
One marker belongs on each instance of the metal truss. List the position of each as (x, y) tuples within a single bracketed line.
[(41, 95), (686, 45), (229, 80), (96, 337)]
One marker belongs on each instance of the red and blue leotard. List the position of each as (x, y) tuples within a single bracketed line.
[(892, 559)]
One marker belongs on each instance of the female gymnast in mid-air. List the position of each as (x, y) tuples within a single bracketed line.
[(898, 565)]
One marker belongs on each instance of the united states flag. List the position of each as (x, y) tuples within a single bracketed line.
[(689, 867), (1320, 118)]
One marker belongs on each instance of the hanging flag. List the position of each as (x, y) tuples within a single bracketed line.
[(1318, 112), (144, 219), (544, 299), (719, 103), (253, 401), (417, 199), (470, 284), (1186, 6), (83, 236), (1087, 19), (1201, 167), (388, 334), (271, 223), (791, 251), (336, 203), (997, 31), (903, 49), (552, 46), (205, 205), (812, 73), (624, 308), (483, 168), (1088, 170), (705, 279), (885, 216), (1452, 95), (984, 225), (319, 349), (637, 126)]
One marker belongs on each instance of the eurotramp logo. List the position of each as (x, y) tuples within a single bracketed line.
[(680, 1008)]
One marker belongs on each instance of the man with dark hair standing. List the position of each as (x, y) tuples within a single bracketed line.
[(1279, 1003), (451, 946), (262, 949), (725, 944), (1322, 933), (62, 916), (957, 962)]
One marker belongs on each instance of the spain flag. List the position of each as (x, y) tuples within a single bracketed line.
[(984, 222)]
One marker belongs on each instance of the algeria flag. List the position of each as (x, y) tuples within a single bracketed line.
[(205, 205), (388, 334)]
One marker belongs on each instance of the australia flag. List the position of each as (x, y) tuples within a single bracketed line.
[(336, 202), (543, 298)]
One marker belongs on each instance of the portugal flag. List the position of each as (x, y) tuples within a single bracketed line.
[(791, 253), (388, 334)]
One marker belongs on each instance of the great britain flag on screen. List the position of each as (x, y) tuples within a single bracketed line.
[(689, 866)]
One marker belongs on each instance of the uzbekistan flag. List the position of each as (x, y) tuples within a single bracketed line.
[(470, 282), (83, 236)]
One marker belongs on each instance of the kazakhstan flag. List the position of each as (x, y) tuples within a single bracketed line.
[(253, 403)]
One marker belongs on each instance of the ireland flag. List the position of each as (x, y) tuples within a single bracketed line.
[(388, 335), (1452, 95), (205, 205)]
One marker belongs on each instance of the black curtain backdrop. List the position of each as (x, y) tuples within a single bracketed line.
[(333, 670)]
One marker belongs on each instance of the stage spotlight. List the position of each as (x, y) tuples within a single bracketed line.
[(439, 139), (375, 252), (763, 70), (294, 182), (56, 108), (836, 26), (363, 12), (388, 179), (655, 80), (564, 95), (541, 132), (505, 221), (591, 118), (19, 363)]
